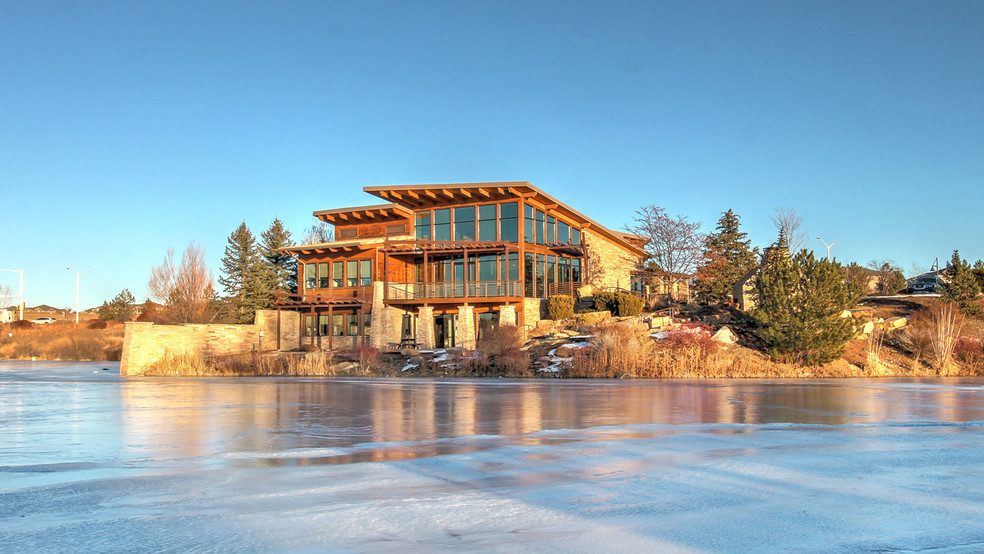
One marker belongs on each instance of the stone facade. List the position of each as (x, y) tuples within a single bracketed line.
[(507, 315), (145, 343), (425, 327), (464, 332), (386, 321), (532, 311), (608, 265)]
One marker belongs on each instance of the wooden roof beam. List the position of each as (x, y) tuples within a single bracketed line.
[(448, 193), (484, 192), (465, 193), (430, 194)]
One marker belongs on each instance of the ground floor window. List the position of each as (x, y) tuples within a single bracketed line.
[(487, 322)]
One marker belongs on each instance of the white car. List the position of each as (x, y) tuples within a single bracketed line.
[(43, 320)]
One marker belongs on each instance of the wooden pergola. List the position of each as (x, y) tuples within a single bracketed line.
[(311, 303)]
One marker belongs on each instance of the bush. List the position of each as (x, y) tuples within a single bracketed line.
[(560, 307), (628, 305), (97, 324), (21, 324), (619, 304), (605, 301), (501, 339)]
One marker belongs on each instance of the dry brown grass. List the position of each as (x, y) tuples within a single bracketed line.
[(62, 341)]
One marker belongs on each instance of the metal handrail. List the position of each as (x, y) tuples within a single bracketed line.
[(471, 289)]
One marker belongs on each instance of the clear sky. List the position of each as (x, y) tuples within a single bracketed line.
[(130, 127)]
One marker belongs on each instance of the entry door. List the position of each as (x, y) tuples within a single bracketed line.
[(444, 330)]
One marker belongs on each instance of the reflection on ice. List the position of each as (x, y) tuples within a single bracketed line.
[(91, 462)]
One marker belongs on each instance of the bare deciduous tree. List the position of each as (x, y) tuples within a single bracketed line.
[(789, 224), (318, 233), (675, 245), (186, 290)]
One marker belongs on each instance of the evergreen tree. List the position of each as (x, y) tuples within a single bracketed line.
[(245, 279), (727, 258), (120, 308), (800, 300), (962, 286), (283, 266)]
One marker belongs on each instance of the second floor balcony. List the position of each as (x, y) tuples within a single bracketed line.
[(411, 292)]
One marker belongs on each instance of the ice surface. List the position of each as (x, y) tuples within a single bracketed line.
[(93, 462)]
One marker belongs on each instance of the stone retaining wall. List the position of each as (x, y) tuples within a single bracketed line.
[(145, 343)]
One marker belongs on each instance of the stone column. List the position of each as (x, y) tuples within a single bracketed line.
[(464, 332), (425, 327), (507, 315)]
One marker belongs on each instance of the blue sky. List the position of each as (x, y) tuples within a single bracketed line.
[(130, 127)]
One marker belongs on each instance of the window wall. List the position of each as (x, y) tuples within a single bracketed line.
[(483, 223), (337, 274)]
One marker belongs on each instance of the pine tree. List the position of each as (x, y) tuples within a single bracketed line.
[(118, 309), (962, 286), (244, 277), (282, 266), (800, 300), (727, 258)]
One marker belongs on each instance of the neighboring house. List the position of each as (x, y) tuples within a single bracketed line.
[(440, 264), (656, 286)]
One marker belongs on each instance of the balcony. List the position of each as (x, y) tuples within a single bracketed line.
[(404, 292)]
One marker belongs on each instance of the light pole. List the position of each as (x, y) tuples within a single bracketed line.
[(828, 246), (78, 278), (21, 295)]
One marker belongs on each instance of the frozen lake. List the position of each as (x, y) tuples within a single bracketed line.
[(90, 462)]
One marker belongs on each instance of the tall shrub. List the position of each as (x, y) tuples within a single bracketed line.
[(800, 301), (560, 307)]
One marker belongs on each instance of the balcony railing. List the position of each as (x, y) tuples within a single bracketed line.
[(473, 289), (553, 289)]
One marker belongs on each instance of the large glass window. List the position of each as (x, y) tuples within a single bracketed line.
[(442, 224), (486, 223), (324, 280), (486, 267), (513, 266), (337, 274), (576, 270), (575, 236), (540, 262), (539, 227), (310, 276), (323, 328), (365, 273), (529, 276), (352, 269), (564, 270), (337, 325), (464, 223), (530, 227), (563, 233), (308, 325), (509, 222), (367, 321), (551, 226), (423, 225), (353, 325)]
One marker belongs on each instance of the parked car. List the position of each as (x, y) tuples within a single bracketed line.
[(925, 284), (43, 320)]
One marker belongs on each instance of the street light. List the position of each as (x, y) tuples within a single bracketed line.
[(828, 246), (78, 277), (21, 295)]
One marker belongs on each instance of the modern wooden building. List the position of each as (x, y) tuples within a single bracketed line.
[(438, 265)]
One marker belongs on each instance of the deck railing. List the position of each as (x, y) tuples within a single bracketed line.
[(472, 289)]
